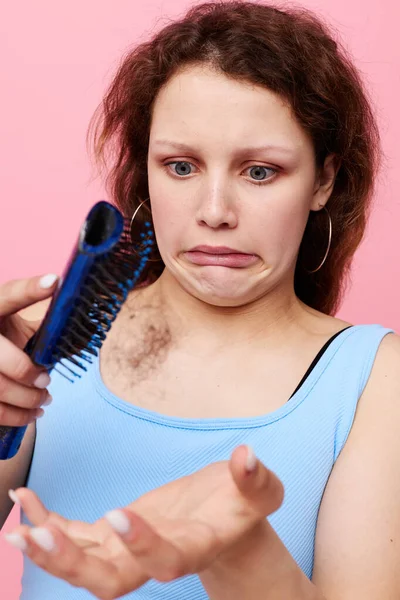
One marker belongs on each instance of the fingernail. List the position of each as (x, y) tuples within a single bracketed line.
[(13, 495), (16, 540), (43, 538), (48, 400), (118, 521), (251, 461), (42, 381), (48, 280), (38, 414)]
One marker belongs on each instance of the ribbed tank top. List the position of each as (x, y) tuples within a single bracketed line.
[(95, 452)]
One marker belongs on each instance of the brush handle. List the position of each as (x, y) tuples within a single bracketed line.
[(99, 234)]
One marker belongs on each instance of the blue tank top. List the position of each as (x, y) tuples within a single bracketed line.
[(95, 452)]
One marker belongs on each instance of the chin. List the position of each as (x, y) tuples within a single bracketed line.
[(226, 302), (218, 286), (222, 294)]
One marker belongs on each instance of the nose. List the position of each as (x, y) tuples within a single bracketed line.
[(217, 210)]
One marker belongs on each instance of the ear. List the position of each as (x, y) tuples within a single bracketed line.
[(325, 181)]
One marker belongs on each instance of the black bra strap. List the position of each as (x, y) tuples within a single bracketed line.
[(316, 359)]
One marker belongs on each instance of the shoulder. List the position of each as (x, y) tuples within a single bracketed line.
[(384, 379), (378, 407), (389, 350)]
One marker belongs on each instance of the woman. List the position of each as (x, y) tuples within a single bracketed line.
[(245, 130)]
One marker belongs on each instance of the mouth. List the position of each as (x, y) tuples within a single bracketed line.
[(217, 250), (221, 256)]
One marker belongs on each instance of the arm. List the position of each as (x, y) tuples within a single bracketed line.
[(357, 543), (13, 472), (261, 568), (357, 551)]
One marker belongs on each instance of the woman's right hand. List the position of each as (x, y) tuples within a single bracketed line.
[(22, 383)]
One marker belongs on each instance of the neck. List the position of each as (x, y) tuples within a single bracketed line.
[(276, 315)]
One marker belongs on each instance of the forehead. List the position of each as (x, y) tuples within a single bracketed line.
[(199, 101)]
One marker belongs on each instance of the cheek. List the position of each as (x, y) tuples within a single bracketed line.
[(170, 218), (279, 227), (167, 213)]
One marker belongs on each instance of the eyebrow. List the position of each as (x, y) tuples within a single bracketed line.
[(186, 148)]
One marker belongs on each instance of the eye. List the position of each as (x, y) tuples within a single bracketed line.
[(183, 167), (258, 172)]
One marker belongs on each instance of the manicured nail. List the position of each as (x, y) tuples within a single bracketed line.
[(14, 497), (251, 461), (118, 521), (48, 400), (43, 538), (16, 540), (47, 281), (42, 381)]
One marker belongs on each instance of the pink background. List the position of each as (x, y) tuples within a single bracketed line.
[(56, 60)]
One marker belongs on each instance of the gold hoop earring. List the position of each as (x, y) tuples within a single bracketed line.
[(329, 243), (144, 238)]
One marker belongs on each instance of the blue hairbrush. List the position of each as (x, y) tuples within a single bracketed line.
[(103, 268)]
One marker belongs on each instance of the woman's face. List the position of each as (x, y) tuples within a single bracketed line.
[(232, 179)]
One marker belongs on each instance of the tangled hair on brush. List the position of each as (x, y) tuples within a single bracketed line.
[(288, 51)]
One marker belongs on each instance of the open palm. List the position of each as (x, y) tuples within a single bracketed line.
[(177, 529)]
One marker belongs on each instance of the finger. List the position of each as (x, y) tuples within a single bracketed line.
[(21, 293), (158, 557), (30, 503), (18, 417), (55, 553), (16, 365), (258, 484), (16, 395), (37, 513)]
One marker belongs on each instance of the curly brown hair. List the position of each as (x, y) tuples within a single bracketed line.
[(291, 52)]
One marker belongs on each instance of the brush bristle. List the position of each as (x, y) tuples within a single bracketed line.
[(105, 289)]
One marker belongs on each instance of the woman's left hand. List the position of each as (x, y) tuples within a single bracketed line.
[(178, 529)]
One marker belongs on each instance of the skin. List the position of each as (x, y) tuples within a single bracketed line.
[(211, 317)]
